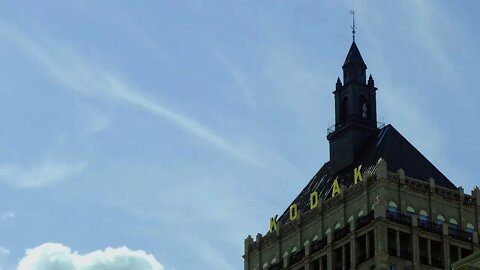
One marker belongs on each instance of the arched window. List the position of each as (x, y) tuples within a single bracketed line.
[(453, 223), (469, 228), (392, 207), (265, 265), (440, 219), (453, 227), (294, 249), (364, 110), (423, 218), (360, 213), (344, 110), (410, 211), (328, 230), (337, 226), (315, 238), (274, 260), (350, 219)]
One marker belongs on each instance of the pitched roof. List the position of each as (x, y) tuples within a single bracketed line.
[(354, 56), (387, 144)]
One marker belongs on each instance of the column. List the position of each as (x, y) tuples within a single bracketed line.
[(429, 252), (381, 246), (397, 235), (353, 246), (330, 251), (416, 248)]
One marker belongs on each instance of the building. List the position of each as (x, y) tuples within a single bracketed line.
[(471, 262), (378, 203)]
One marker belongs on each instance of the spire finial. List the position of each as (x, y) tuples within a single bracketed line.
[(353, 27)]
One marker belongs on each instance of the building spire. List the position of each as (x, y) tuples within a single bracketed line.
[(353, 27)]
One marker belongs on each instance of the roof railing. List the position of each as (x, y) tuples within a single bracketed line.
[(334, 127)]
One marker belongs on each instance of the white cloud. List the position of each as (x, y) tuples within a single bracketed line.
[(42, 174), (54, 256)]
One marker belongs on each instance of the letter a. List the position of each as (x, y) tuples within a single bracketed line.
[(313, 200), (293, 212), (335, 187), (273, 223), (357, 175)]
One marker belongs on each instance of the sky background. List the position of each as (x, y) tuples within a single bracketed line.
[(177, 128)]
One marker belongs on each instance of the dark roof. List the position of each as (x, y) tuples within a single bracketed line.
[(354, 56), (387, 144)]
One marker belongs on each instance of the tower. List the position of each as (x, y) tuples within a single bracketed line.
[(355, 112), (378, 203)]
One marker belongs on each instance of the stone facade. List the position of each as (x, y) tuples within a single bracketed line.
[(388, 221)]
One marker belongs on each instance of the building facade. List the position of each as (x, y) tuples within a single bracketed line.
[(378, 203)]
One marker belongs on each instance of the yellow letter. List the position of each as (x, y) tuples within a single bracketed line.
[(313, 200), (357, 176), (273, 223), (335, 187), (293, 212)]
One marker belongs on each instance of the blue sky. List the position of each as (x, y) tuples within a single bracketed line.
[(178, 129)]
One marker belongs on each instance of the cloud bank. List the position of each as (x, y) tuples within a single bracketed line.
[(54, 256)]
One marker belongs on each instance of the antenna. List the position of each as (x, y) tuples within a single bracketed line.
[(353, 27)]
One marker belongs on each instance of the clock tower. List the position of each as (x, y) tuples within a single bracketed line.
[(355, 112)]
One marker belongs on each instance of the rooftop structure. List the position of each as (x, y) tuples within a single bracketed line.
[(378, 203)]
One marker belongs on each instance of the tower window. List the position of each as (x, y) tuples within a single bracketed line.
[(363, 107), (344, 111)]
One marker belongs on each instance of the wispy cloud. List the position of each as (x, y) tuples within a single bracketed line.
[(69, 67), (37, 175), (239, 79), (94, 121)]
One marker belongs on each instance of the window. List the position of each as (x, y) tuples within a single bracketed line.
[(453, 225), (410, 211), (344, 110), (453, 222), (392, 207), (337, 226), (350, 219), (392, 266), (363, 108), (423, 218), (469, 228), (360, 213), (440, 219)]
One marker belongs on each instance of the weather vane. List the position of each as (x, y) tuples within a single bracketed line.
[(353, 27)]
